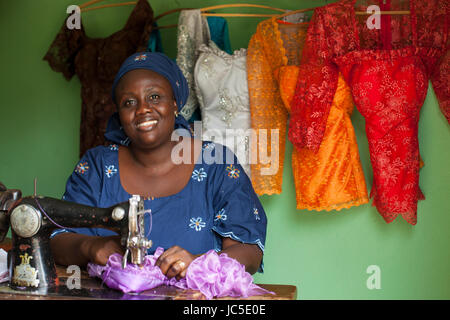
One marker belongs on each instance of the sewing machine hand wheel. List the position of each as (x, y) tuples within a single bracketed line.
[(7, 200)]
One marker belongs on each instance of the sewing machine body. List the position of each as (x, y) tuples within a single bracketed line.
[(34, 218)]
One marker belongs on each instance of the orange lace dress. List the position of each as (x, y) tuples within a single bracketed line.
[(330, 179)]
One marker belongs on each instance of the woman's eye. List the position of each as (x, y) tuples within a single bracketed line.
[(129, 103), (154, 97)]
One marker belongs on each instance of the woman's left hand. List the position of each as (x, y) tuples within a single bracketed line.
[(175, 261)]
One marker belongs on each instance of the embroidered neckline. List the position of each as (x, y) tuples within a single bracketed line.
[(279, 40), (214, 49)]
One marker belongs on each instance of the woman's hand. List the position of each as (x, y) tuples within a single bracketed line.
[(175, 261), (98, 249)]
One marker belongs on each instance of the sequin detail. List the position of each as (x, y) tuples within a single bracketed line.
[(82, 167), (233, 172), (192, 31), (222, 92), (141, 57)]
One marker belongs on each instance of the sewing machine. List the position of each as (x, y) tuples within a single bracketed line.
[(33, 218)]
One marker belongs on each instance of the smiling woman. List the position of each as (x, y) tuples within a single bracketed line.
[(146, 107), (196, 207)]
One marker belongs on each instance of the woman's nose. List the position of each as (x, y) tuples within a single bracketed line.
[(144, 107)]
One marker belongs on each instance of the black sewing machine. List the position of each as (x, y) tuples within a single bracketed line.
[(33, 218)]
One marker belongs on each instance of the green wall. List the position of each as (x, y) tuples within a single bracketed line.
[(325, 254)]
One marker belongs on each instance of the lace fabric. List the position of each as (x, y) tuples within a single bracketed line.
[(333, 178), (192, 32), (221, 87), (387, 70), (266, 53), (96, 62)]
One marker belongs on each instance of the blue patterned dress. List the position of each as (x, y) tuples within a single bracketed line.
[(218, 201)]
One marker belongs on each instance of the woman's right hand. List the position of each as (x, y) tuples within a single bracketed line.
[(98, 249)]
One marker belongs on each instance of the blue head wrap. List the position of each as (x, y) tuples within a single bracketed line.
[(161, 64)]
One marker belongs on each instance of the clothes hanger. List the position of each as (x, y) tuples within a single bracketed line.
[(356, 12), (393, 12), (171, 11), (84, 8), (86, 4), (364, 13), (209, 14), (293, 12), (205, 13), (167, 13)]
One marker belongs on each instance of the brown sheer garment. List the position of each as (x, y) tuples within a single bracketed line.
[(96, 62)]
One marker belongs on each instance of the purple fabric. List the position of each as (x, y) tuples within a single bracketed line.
[(220, 276), (132, 278), (212, 274)]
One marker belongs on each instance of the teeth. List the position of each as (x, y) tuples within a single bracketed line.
[(147, 123)]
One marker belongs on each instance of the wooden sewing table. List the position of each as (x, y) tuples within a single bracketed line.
[(92, 289)]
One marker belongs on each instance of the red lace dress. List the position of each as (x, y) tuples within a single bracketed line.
[(96, 62), (387, 70)]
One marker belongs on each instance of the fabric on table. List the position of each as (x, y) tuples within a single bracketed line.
[(217, 275), (212, 274), (133, 278)]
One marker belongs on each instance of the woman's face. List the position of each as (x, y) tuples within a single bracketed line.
[(146, 107)]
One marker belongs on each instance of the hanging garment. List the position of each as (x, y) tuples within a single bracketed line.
[(96, 61), (387, 70), (331, 179), (221, 87), (193, 31)]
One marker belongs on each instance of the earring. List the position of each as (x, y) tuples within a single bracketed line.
[(176, 113)]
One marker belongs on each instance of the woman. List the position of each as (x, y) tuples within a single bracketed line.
[(195, 206)]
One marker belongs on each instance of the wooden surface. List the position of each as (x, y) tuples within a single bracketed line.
[(92, 288)]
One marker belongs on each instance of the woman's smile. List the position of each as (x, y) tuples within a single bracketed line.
[(147, 125)]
